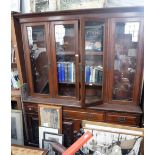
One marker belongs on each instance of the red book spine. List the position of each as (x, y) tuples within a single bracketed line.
[(78, 144)]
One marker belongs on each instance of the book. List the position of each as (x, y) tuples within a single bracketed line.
[(62, 72), (59, 71), (66, 71), (87, 74)]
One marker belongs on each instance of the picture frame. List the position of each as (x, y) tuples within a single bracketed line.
[(41, 133), (50, 116), (47, 144), (124, 3), (17, 127), (109, 137), (80, 4), (16, 5), (43, 5), (54, 137)]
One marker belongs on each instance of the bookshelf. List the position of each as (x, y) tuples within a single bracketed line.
[(85, 61)]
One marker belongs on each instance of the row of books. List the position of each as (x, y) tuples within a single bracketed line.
[(93, 74), (66, 71), (15, 82)]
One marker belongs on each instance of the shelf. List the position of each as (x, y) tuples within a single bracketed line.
[(92, 99), (38, 41), (93, 84), (94, 53), (66, 53), (70, 83)]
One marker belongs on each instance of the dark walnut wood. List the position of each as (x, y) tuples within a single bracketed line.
[(115, 98)]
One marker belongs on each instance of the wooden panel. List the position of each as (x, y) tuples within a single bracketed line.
[(125, 119), (82, 115), (33, 129)]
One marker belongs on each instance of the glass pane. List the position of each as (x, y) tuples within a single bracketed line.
[(126, 45), (38, 57), (65, 55), (94, 34)]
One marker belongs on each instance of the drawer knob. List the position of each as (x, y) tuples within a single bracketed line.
[(121, 119), (30, 108)]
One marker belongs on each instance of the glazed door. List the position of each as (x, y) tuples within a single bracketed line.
[(126, 60), (64, 41), (93, 55), (36, 47)]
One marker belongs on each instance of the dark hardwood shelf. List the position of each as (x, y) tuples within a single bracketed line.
[(94, 53), (93, 84), (92, 99), (70, 83)]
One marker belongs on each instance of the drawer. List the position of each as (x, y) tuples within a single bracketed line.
[(125, 119), (31, 108), (92, 116)]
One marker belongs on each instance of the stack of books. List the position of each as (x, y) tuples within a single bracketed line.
[(66, 72), (93, 74)]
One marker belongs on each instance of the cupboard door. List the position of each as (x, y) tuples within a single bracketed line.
[(65, 57), (127, 56), (37, 57), (33, 129), (93, 49)]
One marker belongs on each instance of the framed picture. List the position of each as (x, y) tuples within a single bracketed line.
[(47, 144), (43, 5), (80, 4), (54, 137), (41, 133), (15, 5), (50, 116), (16, 127), (109, 138), (124, 3)]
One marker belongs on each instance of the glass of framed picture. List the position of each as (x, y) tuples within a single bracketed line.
[(48, 130), (16, 5), (50, 116), (16, 127), (54, 137), (43, 5), (109, 138), (80, 4)]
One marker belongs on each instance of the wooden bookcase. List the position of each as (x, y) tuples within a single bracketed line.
[(88, 61)]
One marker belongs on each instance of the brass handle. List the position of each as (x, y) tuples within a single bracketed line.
[(121, 119), (30, 108)]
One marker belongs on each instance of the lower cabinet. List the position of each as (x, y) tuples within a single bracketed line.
[(72, 118)]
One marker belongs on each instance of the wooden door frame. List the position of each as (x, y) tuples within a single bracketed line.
[(28, 61)]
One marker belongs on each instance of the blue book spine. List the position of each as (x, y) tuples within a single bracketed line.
[(71, 72), (62, 72), (87, 74), (59, 72)]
